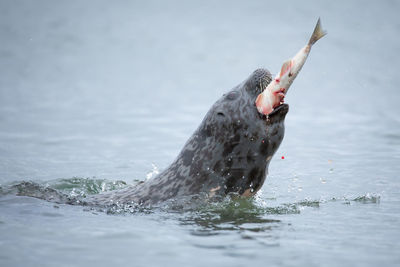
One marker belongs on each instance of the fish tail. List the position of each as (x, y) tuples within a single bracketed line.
[(317, 34)]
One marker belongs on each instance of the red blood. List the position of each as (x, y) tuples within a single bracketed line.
[(277, 80), (283, 157)]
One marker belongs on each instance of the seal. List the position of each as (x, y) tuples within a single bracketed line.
[(228, 153)]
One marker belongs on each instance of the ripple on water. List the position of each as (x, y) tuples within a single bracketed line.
[(51, 214), (229, 213)]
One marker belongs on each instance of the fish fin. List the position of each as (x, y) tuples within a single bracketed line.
[(262, 107), (285, 67), (317, 34), (259, 101)]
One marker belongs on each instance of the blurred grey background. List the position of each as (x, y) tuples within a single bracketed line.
[(105, 89)]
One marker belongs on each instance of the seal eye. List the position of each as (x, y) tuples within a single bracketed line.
[(221, 114)]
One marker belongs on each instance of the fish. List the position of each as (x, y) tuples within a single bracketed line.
[(274, 94)]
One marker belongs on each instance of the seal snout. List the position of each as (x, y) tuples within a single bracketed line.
[(280, 110), (277, 115)]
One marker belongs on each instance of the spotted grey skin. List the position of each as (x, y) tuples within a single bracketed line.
[(229, 152)]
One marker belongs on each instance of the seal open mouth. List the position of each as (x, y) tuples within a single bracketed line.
[(281, 109)]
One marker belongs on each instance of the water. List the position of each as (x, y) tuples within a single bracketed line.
[(94, 96)]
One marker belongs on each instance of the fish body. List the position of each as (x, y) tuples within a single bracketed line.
[(274, 94)]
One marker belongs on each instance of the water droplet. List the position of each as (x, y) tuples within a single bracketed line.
[(154, 172), (251, 190), (243, 177), (251, 184), (208, 168), (229, 173), (238, 121)]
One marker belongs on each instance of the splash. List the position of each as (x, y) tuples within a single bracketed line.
[(80, 187), (62, 191), (368, 198), (232, 210), (153, 173)]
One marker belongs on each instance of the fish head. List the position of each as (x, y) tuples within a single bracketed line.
[(258, 86), (274, 93)]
